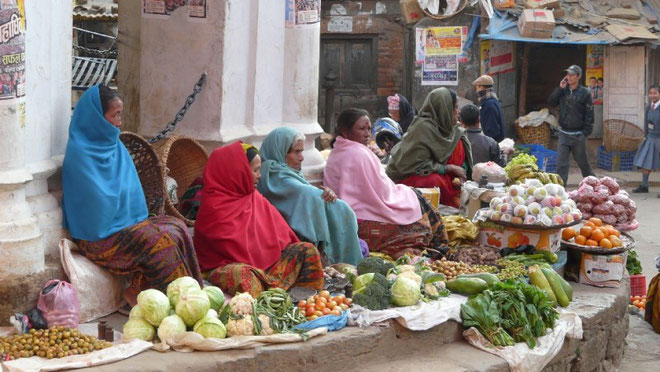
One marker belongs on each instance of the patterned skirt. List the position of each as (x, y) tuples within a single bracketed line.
[(299, 265), (156, 251), (396, 240)]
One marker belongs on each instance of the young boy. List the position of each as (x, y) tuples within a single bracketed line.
[(484, 148)]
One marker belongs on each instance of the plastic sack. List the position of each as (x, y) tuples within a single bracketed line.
[(536, 118), (331, 322), (100, 291), (507, 144), (37, 319), (494, 172), (58, 301)]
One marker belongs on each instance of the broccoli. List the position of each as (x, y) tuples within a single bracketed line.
[(374, 265), (375, 292)]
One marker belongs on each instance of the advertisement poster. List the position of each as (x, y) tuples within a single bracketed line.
[(300, 13), (440, 70), (595, 70), (420, 45), (496, 57), (439, 48), (162, 9), (12, 49), (444, 40)]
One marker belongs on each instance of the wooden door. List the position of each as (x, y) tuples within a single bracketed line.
[(625, 80)]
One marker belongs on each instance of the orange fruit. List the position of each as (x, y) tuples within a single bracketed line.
[(613, 231), (608, 226), (589, 224), (616, 242), (568, 233), (605, 243), (596, 221), (580, 239), (591, 243), (597, 235), (586, 231)]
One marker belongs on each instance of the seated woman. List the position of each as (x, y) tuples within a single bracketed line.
[(435, 151), (401, 111), (387, 134), (392, 219), (242, 241), (314, 214), (104, 207)]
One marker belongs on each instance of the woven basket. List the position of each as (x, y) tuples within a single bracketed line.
[(621, 135), (442, 16), (185, 158), (539, 135), (149, 169)]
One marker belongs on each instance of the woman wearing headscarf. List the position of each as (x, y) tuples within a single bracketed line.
[(435, 152), (392, 219), (104, 208), (401, 111), (242, 242), (316, 215)]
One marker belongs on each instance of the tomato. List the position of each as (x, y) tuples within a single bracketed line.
[(320, 306), (332, 304), (343, 306), (335, 312), (326, 311), (309, 310), (310, 299), (637, 298), (325, 294), (336, 308), (322, 299), (312, 317), (338, 299), (348, 301), (302, 303), (318, 313)]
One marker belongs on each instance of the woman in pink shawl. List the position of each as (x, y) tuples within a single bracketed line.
[(392, 219)]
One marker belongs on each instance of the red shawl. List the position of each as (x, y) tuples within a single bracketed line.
[(235, 223)]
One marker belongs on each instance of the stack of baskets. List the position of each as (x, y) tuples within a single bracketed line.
[(149, 169), (460, 8), (539, 135), (621, 135)]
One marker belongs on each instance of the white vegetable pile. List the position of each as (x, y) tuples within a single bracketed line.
[(602, 198), (533, 203)]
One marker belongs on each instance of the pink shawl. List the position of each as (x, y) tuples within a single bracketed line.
[(354, 173)]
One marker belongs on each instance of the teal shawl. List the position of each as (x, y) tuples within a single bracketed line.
[(301, 204)]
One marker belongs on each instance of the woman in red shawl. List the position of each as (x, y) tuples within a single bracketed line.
[(243, 243)]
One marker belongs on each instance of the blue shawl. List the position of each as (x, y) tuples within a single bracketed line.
[(301, 204), (102, 193)]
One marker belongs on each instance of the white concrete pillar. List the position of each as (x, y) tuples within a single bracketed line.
[(21, 251)]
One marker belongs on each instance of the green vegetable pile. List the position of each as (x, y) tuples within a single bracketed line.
[(521, 159), (633, 265), (511, 269), (278, 306), (509, 312)]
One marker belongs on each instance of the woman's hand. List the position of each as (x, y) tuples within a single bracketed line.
[(456, 171), (328, 195)]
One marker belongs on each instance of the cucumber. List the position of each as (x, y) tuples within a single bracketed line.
[(537, 278), (489, 278), (556, 286), (548, 256), (467, 286), (565, 285)]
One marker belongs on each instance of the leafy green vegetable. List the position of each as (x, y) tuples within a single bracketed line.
[(374, 294), (633, 265), (480, 312), (374, 265)]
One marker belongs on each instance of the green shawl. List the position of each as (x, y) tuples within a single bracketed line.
[(430, 140)]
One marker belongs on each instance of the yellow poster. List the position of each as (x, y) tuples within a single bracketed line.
[(485, 57), (594, 77), (444, 40)]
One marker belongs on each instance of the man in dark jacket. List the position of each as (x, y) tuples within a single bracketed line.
[(484, 148), (491, 114), (576, 121)]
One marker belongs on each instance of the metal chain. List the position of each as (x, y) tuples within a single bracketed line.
[(111, 52), (179, 116)]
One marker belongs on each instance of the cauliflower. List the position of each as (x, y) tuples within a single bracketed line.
[(405, 268), (265, 325), (242, 304), (240, 327), (432, 290), (411, 275)]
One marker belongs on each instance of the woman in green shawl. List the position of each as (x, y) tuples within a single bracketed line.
[(435, 152), (315, 214)]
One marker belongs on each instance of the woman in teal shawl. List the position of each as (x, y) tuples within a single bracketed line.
[(314, 214)]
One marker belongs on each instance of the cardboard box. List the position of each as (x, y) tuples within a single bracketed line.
[(432, 195), (411, 10), (500, 236), (504, 4), (602, 270), (542, 4), (536, 23)]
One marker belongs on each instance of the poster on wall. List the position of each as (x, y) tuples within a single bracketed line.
[(496, 57), (439, 49), (594, 77), (444, 40), (163, 9), (420, 45), (301, 13), (12, 49), (440, 70)]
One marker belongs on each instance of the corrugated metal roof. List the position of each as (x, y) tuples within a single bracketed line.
[(98, 10)]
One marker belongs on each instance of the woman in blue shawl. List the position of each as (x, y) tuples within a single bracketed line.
[(104, 207), (314, 214)]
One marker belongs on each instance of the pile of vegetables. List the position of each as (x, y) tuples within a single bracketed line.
[(509, 312), (460, 230), (558, 290), (55, 342), (633, 265), (323, 304), (603, 198), (451, 269), (476, 255)]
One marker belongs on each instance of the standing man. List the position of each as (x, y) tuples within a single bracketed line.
[(490, 114), (576, 121)]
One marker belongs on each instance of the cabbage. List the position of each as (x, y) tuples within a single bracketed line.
[(155, 306), (212, 314), (170, 327), (210, 327), (405, 292), (178, 287), (216, 297), (136, 312), (362, 280), (193, 306), (138, 329)]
